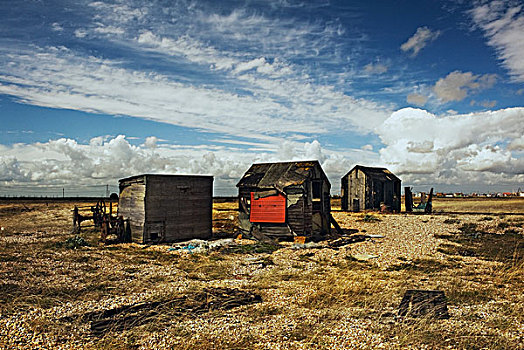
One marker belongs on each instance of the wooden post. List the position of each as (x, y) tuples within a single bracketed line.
[(343, 194), (337, 226), (408, 198), (76, 220), (429, 205)]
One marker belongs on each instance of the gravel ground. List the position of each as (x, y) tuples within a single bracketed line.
[(287, 279)]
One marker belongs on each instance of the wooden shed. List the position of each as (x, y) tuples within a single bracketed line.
[(283, 200), (167, 208), (366, 188)]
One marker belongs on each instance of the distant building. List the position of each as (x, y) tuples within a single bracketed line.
[(283, 200), (367, 188), (167, 208)]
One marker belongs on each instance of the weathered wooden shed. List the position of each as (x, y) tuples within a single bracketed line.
[(366, 188), (283, 200), (167, 208)]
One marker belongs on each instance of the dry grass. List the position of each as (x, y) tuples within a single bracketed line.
[(312, 298), (479, 205)]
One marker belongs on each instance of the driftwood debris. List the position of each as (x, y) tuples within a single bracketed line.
[(129, 316), (343, 241), (424, 303)]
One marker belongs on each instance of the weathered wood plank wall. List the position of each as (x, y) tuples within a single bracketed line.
[(167, 208), (183, 203), (131, 206)]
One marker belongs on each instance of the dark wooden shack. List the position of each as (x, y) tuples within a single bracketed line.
[(367, 188), (167, 208), (283, 200)]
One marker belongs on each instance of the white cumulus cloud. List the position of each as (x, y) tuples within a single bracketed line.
[(104, 160), (11, 170), (454, 149)]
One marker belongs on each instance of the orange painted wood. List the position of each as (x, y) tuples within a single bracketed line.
[(268, 209)]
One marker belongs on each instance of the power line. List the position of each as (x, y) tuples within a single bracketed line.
[(56, 190)]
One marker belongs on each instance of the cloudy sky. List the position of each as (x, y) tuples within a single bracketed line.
[(93, 91)]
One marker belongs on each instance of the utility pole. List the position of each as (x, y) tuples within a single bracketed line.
[(107, 191), (63, 192)]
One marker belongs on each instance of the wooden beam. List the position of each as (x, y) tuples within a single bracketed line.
[(337, 226)]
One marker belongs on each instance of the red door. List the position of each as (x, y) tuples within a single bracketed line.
[(268, 209)]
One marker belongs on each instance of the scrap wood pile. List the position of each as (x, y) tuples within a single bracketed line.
[(129, 316)]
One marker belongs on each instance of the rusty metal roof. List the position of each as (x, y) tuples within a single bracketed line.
[(279, 175), (382, 173)]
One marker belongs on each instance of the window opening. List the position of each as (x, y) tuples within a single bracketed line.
[(317, 195)]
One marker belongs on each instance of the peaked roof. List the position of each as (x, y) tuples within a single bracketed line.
[(375, 172), (279, 175)]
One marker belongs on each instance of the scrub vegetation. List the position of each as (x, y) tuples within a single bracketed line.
[(62, 289)]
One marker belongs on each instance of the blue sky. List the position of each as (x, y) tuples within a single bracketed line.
[(92, 91)]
